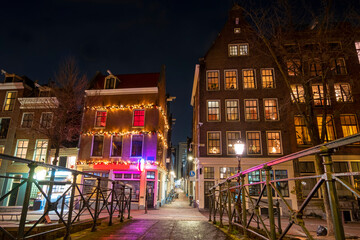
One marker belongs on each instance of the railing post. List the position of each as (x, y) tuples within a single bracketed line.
[(122, 203), (96, 204), (243, 204), (333, 197), (210, 205), (112, 202), (229, 206), (270, 203), (71, 207), (25, 207), (279, 216), (221, 206), (129, 206), (62, 208), (214, 205)]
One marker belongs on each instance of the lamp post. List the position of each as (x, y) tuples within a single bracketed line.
[(239, 147)]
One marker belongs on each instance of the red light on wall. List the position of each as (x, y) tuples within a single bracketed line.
[(141, 165)]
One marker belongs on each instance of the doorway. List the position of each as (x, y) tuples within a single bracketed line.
[(150, 194), (14, 195)]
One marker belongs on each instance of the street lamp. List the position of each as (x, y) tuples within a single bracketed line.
[(239, 147)]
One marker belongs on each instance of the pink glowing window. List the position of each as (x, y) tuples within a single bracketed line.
[(139, 118), (100, 119)]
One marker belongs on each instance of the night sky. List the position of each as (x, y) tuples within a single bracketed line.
[(124, 36)]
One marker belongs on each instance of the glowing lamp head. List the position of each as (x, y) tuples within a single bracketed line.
[(190, 158), (239, 147), (141, 165)]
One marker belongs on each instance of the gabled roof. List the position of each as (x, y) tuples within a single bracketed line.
[(140, 80)]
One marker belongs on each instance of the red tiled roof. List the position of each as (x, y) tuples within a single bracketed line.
[(128, 80)]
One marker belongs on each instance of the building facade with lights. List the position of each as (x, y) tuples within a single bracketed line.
[(124, 134), (238, 94)]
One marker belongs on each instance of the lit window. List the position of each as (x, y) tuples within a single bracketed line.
[(253, 143), (150, 175), (282, 186), (212, 78), (136, 145), (27, 120), (251, 109), (46, 119), (301, 131), (241, 49), (274, 142), (100, 120), (338, 66), (110, 83), (232, 138), (343, 92), (318, 95), (254, 177), (4, 127), (213, 143), (271, 109), (209, 172), (21, 148), (226, 172), (213, 110), (267, 78), (237, 30), (40, 150), (139, 118), (315, 68), (349, 124), (230, 79), (232, 110), (357, 47), (298, 93), (293, 66), (97, 146), (249, 78), (9, 101), (116, 146), (330, 130)]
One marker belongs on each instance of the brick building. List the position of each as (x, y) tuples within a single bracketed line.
[(124, 133), (239, 94)]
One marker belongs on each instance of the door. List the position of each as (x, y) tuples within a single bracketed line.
[(150, 194), (207, 185), (14, 195)]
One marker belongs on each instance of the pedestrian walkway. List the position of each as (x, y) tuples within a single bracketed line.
[(173, 221)]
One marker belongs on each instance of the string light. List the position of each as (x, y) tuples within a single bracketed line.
[(132, 107), (114, 162)]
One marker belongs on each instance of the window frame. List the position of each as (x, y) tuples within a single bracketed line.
[(302, 129), (247, 143), (111, 146), (347, 125), (12, 101), (277, 109), (17, 147), (236, 81), (295, 70), (92, 146), (334, 65), (142, 145), (273, 78), (226, 108), (36, 148), (96, 119), (7, 131), (300, 98), (321, 98), (326, 126), (207, 80), (22, 119), (212, 173), (207, 143), (257, 110), (238, 49), (133, 118), (243, 80), (227, 142), (107, 78), (315, 68), (280, 140), (357, 49), (207, 110), (349, 98), (41, 119)]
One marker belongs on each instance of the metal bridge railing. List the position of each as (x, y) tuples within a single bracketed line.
[(241, 208), (77, 200)]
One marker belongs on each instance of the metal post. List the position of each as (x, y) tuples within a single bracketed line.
[(210, 205), (238, 180), (229, 206), (214, 205), (279, 216), (221, 206), (333, 197), (122, 203), (146, 199), (129, 205), (243, 203), (25, 207), (112, 202), (93, 229), (270, 203), (71, 207), (62, 208)]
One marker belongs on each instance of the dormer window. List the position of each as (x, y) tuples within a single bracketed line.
[(110, 83), (237, 30), (241, 49), (237, 21)]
